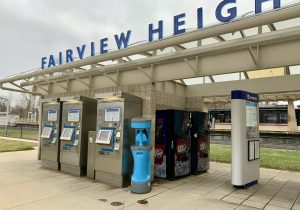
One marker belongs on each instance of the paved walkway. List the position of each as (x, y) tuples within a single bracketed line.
[(25, 185), (18, 139)]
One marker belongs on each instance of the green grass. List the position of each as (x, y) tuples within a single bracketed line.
[(269, 158), (10, 146), (14, 132)]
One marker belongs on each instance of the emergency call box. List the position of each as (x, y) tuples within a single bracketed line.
[(46, 132), (104, 136), (67, 134)]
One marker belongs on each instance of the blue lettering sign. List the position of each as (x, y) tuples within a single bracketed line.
[(69, 56), (178, 23), (44, 62), (92, 48), (81, 51), (51, 61), (225, 12), (159, 30), (232, 11), (103, 46), (60, 58), (122, 40), (200, 18), (258, 5)]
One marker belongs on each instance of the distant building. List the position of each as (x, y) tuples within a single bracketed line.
[(12, 119)]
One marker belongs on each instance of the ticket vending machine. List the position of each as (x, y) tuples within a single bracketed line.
[(113, 158), (245, 138), (50, 132), (78, 117)]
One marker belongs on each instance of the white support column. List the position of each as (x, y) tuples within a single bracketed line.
[(40, 128), (292, 122)]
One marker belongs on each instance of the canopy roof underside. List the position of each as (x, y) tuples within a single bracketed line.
[(250, 48)]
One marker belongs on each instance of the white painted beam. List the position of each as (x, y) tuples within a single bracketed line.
[(236, 25), (288, 83), (277, 49)]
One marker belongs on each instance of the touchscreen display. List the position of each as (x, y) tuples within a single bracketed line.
[(46, 132), (104, 136), (67, 133)]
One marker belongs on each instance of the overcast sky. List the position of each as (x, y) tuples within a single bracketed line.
[(32, 29)]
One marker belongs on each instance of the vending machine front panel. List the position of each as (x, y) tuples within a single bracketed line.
[(182, 149)]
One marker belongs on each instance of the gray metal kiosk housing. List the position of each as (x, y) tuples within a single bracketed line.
[(78, 117), (113, 159), (91, 155), (50, 132)]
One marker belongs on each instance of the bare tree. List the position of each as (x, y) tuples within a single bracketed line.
[(25, 103), (3, 101), (2, 106)]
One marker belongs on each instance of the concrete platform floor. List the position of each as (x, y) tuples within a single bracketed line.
[(25, 185)]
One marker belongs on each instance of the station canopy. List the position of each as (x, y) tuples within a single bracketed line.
[(249, 53)]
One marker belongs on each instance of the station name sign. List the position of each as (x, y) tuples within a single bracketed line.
[(226, 11), (244, 95)]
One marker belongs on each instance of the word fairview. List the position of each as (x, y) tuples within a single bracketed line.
[(222, 14), (80, 52)]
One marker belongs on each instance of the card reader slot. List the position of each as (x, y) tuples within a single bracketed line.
[(47, 143), (68, 146), (106, 150), (104, 154)]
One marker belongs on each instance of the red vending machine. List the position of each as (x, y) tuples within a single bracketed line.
[(200, 142), (172, 144)]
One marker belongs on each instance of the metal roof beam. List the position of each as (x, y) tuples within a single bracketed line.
[(288, 84), (242, 33), (272, 27), (179, 47), (116, 80), (287, 70), (148, 75), (18, 86), (44, 89), (61, 86), (236, 25), (19, 90), (219, 38), (146, 54), (254, 54), (211, 78), (246, 75), (281, 38)]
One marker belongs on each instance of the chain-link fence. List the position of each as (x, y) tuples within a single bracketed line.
[(278, 152), (23, 131)]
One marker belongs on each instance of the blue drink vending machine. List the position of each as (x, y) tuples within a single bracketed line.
[(172, 144), (200, 145)]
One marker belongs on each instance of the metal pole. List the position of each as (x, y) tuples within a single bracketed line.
[(7, 113), (7, 120), (21, 130)]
